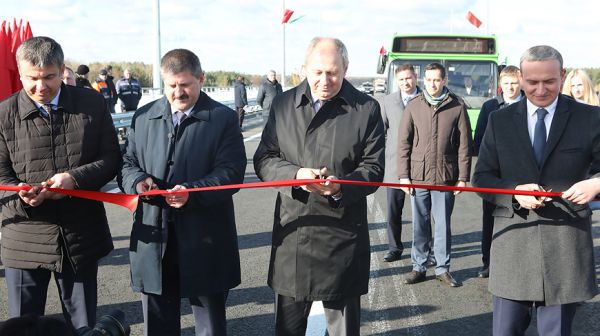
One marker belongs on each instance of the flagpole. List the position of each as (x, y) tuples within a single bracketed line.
[(283, 72)]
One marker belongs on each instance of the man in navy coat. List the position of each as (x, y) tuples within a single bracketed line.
[(184, 245)]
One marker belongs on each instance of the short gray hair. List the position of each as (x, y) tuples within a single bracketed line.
[(40, 51), (180, 60), (541, 53), (339, 46)]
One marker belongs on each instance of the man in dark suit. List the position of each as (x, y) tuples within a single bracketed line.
[(321, 244), (392, 107), (542, 251), (184, 245), (511, 93)]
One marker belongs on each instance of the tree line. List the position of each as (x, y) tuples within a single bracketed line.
[(143, 73)]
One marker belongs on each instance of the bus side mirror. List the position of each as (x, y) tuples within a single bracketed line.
[(381, 63)]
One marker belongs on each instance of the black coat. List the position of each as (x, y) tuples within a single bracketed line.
[(207, 150), (320, 248), (80, 139), (487, 108), (267, 91), (239, 94)]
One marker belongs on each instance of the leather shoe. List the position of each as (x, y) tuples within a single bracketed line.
[(447, 279), (414, 277), (430, 262), (393, 256), (484, 272)]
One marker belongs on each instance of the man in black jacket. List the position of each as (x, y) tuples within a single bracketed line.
[(59, 136), (268, 90), (240, 98), (511, 93), (321, 246)]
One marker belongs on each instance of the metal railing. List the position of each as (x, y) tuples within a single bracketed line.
[(123, 120)]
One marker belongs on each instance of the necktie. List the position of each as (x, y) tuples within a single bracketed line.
[(46, 110), (179, 117), (539, 136), (317, 105)]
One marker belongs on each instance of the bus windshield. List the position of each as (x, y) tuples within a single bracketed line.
[(474, 81)]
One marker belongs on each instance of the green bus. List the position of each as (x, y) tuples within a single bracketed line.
[(466, 58)]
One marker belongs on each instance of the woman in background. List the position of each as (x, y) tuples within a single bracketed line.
[(579, 86)]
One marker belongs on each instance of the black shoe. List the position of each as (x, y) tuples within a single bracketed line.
[(414, 277), (430, 262), (447, 279), (484, 272), (393, 256)]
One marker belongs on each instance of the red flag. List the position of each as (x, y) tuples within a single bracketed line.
[(287, 15), (473, 19), (5, 76), (26, 33), (382, 51)]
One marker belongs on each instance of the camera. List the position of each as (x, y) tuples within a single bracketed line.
[(111, 324)]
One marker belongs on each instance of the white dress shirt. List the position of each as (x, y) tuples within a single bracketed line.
[(532, 117)]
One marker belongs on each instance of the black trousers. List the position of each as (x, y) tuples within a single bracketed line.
[(486, 231), (395, 203), (511, 318), (162, 313), (241, 113), (27, 290), (291, 316)]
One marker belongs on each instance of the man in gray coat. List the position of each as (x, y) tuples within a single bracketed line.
[(320, 252), (268, 90), (542, 253), (184, 245), (392, 107)]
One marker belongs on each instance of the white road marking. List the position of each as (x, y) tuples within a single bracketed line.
[(405, 296), (250, 138)]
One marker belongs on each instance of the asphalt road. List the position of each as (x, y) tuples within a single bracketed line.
[(390, 307)]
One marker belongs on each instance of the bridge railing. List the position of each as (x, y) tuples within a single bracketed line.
[(123, 120)]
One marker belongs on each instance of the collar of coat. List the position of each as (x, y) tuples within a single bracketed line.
[(27, 107), (200, 111), (347, 94)]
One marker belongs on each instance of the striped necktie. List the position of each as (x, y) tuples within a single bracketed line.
[(46, 110)]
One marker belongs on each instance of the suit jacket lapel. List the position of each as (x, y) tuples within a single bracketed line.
[(559, 122), (520, 119)]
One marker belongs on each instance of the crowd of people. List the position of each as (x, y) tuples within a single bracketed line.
[(537, 251)]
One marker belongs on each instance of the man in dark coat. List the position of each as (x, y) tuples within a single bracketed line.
[(240, 98), (320, 252), (184, 245), (268, 90), (542, 256), (58, 136), (511, 93)]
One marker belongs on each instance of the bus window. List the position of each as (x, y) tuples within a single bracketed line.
[(474, 81)]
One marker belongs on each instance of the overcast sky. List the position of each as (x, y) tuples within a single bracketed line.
[(246, 36)]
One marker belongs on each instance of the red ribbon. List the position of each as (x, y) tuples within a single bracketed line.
[(130, 201)]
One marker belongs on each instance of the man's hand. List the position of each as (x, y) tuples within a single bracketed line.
[(179, 199), (59, 181), (144, 185), (583, 192), (530, 202), (407, 190), (459, 184), (327, 188), (33, 197)]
